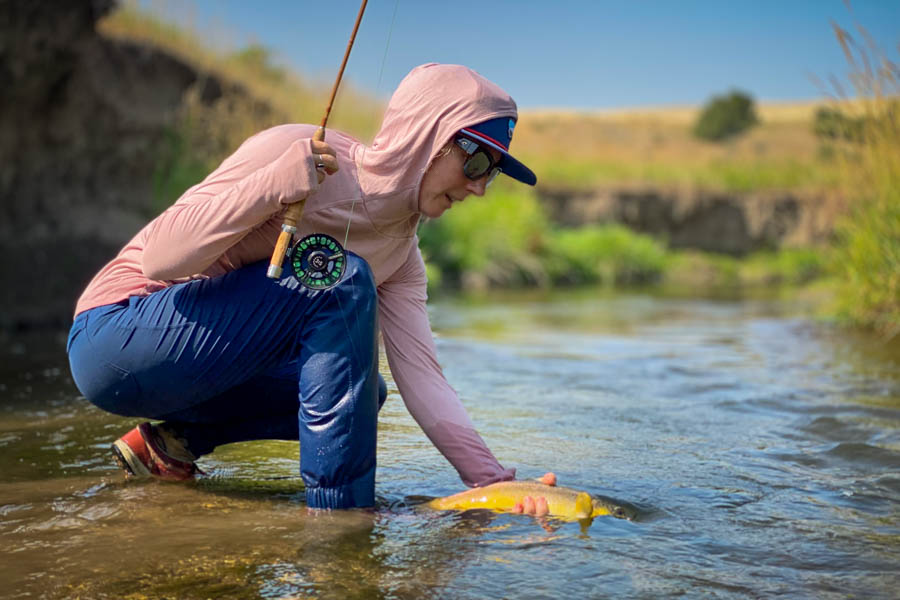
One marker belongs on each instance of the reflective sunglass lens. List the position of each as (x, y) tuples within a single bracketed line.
[(477, 165)]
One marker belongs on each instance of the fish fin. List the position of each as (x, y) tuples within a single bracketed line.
[(584, 506)]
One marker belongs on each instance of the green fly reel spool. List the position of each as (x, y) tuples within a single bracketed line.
[(318, 261)]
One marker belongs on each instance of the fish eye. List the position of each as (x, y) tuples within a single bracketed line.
[(619, 512)]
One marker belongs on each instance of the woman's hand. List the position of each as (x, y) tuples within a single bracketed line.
[(536, 506), (325, 159), (548, 479)]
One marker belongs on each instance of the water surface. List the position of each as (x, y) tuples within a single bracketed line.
[(761, 447)]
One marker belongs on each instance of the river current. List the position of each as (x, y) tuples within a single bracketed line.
[(760, 446)]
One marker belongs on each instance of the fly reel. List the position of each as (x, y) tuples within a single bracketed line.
[(318, 261)]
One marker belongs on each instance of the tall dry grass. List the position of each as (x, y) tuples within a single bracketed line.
[(289, 96), (257, 94), (868, 250), (656, 146)]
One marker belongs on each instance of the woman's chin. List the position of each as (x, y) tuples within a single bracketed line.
[(436, 208)]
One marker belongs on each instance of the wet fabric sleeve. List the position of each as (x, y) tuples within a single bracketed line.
[(216, 214), (431, 401)]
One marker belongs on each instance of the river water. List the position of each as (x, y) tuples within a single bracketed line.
[(761, 448)]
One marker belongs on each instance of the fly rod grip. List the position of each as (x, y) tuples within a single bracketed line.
[(289, 226)]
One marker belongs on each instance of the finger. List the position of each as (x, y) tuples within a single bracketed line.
[(326, 163), (330, 163), (518, 508), (321, 147), (528, 505), (324, 157), (548, 479), (540, 507)]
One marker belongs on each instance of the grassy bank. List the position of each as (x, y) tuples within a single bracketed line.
[(506, 240), (288, 96), (867, 255), (256, 94)]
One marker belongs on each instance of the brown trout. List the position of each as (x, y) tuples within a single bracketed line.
[(563, 502)]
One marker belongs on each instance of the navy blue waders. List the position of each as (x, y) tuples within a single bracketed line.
[(240, 357)]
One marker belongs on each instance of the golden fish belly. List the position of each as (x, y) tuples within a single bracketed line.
[(561, 502)]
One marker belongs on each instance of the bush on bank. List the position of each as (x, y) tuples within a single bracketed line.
[(506, 240), (726, 116)]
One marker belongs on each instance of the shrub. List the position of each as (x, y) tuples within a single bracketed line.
[(488, 241), (609, 254), (726, 116), (832, 124), (788, 266)]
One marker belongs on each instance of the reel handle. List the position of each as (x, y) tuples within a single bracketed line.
[(289, 226)]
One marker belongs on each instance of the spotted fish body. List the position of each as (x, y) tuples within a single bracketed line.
[(561, 501)]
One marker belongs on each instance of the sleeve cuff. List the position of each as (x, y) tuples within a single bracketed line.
[(356, 494)]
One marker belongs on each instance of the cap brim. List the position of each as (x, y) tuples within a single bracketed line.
[(508, 164)]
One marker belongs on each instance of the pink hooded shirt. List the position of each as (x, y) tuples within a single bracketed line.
[(233, 217)]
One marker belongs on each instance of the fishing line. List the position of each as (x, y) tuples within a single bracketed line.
[(387, 47), (355, 197), (319, 260)]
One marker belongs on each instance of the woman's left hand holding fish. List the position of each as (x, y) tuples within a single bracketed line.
[(536, 506)]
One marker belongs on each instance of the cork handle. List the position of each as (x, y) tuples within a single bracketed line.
[(289, 227)]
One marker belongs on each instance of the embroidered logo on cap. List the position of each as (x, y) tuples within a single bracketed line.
[(512, 125)]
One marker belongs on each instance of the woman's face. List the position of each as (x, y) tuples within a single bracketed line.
[(445, 184)]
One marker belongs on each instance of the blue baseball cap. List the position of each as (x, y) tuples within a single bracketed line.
[(497, 133)]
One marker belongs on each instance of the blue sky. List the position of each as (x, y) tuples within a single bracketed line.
[(562, 53)]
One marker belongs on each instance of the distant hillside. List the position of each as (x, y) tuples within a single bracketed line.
[(656, 146)]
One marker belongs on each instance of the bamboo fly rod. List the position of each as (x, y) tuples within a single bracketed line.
[(295, 210)]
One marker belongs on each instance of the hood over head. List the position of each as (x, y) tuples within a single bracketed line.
[(431, 104)]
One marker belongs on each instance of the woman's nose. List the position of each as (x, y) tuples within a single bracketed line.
[(477, 186)]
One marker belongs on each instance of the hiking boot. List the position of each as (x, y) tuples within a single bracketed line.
[(153, 451)]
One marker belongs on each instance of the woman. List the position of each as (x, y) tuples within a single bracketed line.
[(183, 325)]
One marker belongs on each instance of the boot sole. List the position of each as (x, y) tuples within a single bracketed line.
[(129, 461)]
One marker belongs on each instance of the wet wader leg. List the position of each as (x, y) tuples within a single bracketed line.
[(274, 416), (338, 373)]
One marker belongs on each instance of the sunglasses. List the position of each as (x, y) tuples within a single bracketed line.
[(479, 162)]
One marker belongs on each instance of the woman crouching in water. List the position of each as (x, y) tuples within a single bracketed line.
[(184, 327)]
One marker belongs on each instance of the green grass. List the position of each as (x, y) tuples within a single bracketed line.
[(720, 174), (610, 255), (490, 241), (177, 168), (789, 267), (506, 240), (867, 262), (867, 255)]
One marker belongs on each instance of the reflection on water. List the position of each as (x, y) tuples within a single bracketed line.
[(762, 449)]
